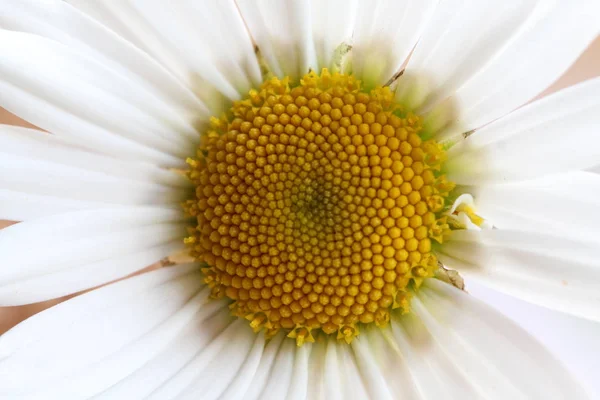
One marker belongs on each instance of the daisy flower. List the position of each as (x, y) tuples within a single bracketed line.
[(318, 180)]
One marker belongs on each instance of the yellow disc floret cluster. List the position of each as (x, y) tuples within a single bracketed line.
[(317, 204)]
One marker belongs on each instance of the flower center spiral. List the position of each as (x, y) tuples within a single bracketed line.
[(317, 204)]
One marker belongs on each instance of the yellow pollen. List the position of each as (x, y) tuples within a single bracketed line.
[(317, 204)]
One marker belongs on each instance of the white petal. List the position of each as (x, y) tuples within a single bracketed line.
[(158, 336), (293, 372), (39, 145), (295, 37), (44, 175), (385, 34), (310, 371), (495, 356), (283, 32), (59, 181), (23, 174), (21, 206), (65, 253), (85, 345), (245, 379), (54, 19), (555, 331), (319, 372), (204, 44), (299, 383), (450, 346), (74, 95), (566, 204), (460, 39), (332, 23), (351, 384), (545, 269), (152, 376), (281, 371), (209, 372), (432, 373), (263, 371), (551, 135), (374, 380), (480, 60)]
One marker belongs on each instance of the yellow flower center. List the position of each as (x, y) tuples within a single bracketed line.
[(317, 204)]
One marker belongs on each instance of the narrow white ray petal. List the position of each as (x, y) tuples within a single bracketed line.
[(263, 371), (554, 134), (431, 369), (545, 269), (77, 130), (298, 389), (147, 349), (240, 385), (496, 356), (295, 37), (391, 364), (367, 365), (21, 206), (35, 144), (283, 32), (57, 20), (60, 283), (442, 350), (566, 204), (66, 253), (50, 179), (353, 384), (465, 61), (182, 378), (385, 34), (205, 45), (150, 375), (47, 350), (43, 175), (156, 352), (555, 331), (209, 372), (459, 40), (76, 96), (280, 377), (318, 371), (163, 338), (332, 375), (337, 372), (443, 364), (332, 23)]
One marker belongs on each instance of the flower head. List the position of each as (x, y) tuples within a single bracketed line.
[(346, 170)]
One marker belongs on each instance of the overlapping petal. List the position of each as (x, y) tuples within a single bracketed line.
[(477, 61), (164, 339), (552, 135), (43, 175), (544, 268), (208, 49), (53, 256)]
